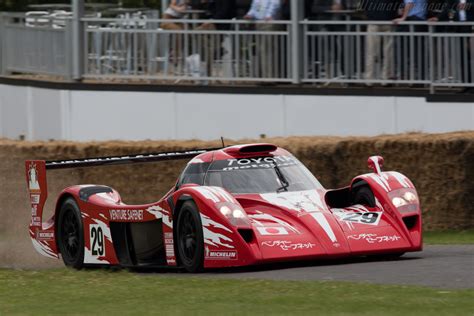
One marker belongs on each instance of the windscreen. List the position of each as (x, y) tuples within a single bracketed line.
[(261, 175)]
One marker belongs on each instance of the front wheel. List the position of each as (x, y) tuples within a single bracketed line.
[(70, 235), (190, 238)]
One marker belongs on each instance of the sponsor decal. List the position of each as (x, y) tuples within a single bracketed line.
[(272, 231), (259, 163), (35, 198), (126, 215), (169, 248), (97, 240), (220, 254), (34, 210), (36, 221), (374, 238), (360, 217), (33, 183), (99, 235), (45, 235), (288, 245)]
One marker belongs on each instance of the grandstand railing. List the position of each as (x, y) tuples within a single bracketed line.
[(35, 45), (433, 54), (138, 49), (327, 52)]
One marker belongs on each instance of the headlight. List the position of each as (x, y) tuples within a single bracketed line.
[(238, 214), (235, 214), (397, 201), (405, 200), (225, 210), (410, 197)]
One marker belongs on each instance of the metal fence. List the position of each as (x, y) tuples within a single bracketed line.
[(207, 51), (38, 50), (432, 54), (190, 50)]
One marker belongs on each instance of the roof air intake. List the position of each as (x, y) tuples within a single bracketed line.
[(251, 149)]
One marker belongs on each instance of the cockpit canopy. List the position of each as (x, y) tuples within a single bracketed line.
[(262, 174)]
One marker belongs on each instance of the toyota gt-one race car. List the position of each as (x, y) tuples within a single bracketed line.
[(235, 206)]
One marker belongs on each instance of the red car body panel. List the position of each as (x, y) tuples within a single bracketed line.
[(279, 226)]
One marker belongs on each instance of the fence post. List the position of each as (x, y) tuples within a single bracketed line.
[(77, 39), (2, 45), (431, 58), (296, 40), (68, 53)]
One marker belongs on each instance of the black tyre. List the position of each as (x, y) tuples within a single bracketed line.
[(190, 238), (70, 234), (363, 195)]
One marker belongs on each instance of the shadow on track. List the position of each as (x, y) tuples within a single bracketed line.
[(275, 266)]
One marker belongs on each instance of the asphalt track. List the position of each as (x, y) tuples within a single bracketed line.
[(436, 266)]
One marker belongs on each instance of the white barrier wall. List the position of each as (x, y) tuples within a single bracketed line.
[(43, 114)]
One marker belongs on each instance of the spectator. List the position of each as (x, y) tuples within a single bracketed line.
[(265, 10), (175, 11), (220, 10), (321, 9), (333, 61), (413, 10), (414, 65), (380, 10), (460, 11)]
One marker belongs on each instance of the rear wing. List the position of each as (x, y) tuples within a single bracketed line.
[(37, 184), (122, 160)]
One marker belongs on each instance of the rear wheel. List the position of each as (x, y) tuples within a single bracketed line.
[(70, 234), (190, 238)]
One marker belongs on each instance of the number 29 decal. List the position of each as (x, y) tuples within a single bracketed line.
[(368, 218), (97, 241)]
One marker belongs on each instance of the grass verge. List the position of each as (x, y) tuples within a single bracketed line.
[(105, 292), (463, 237)]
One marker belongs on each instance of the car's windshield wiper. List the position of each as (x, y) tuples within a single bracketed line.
[(282, 179)]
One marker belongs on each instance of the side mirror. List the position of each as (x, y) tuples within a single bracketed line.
[(375, 163)]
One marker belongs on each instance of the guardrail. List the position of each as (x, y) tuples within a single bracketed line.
[(206, 51)]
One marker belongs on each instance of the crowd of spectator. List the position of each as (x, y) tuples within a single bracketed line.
[(378, 49), (394, 10)]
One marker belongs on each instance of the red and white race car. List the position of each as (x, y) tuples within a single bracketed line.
[(235, 206)]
